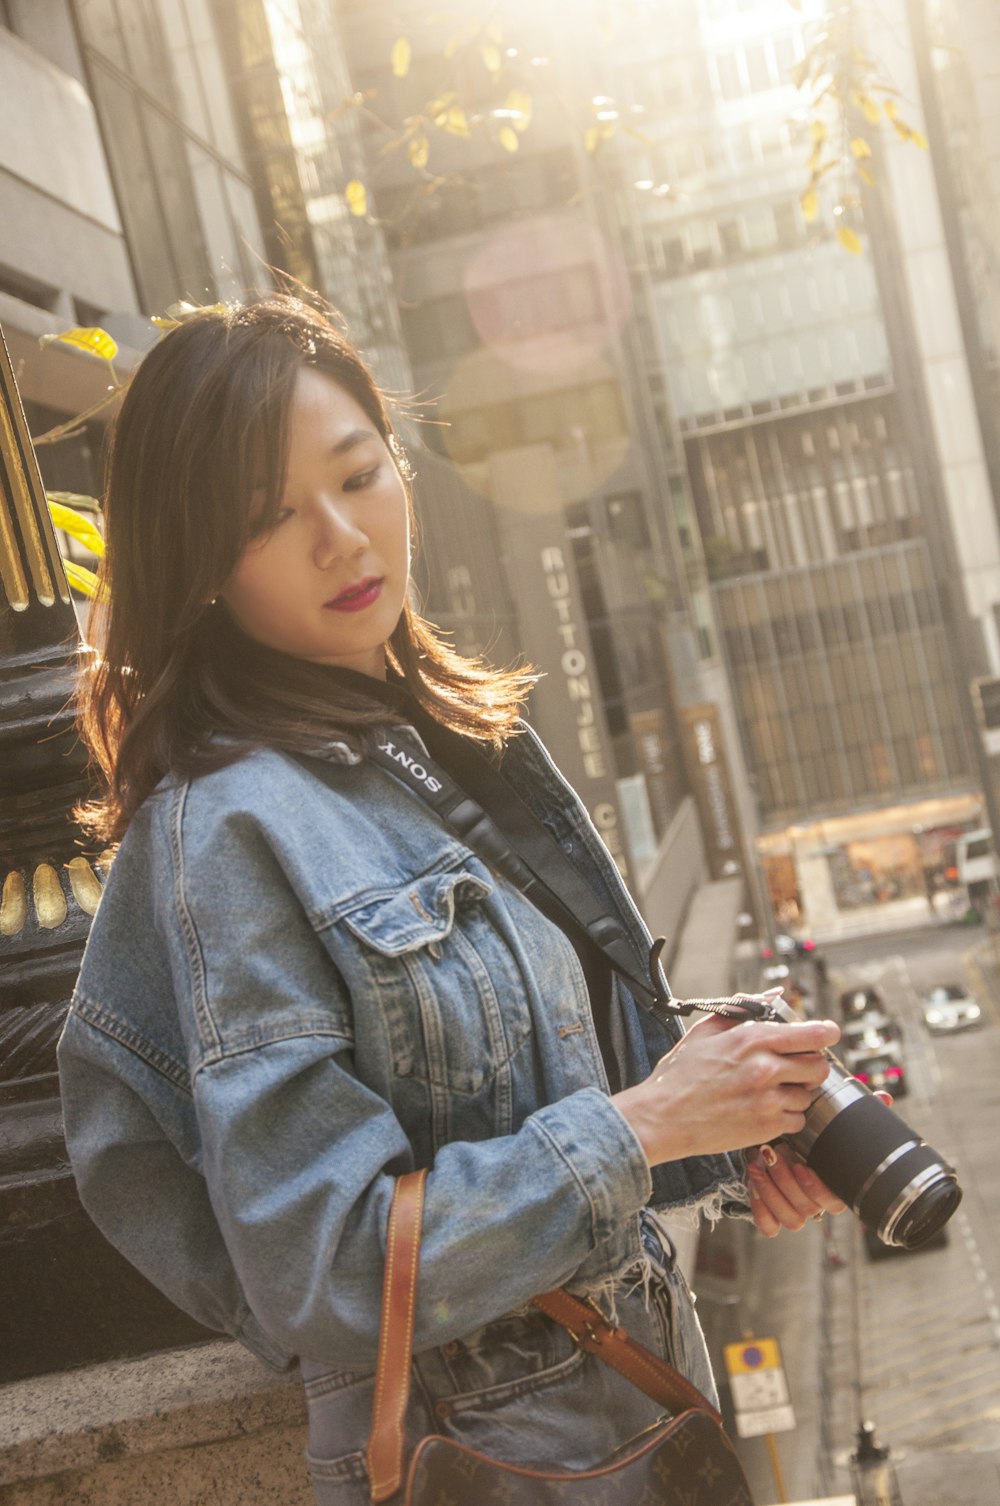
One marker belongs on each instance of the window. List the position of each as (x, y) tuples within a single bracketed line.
[(758, 71), (702, 243), (39, 294), (788, 224), (786, 56), (731, 238), (672, 253), (730, 83)]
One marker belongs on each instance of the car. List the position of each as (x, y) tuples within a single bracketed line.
[(787, 946), (869, 1035), (948, 1007), (881, 1071), (857, 1002)]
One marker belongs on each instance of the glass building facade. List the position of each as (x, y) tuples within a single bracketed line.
[(517, 314), (811, 513)]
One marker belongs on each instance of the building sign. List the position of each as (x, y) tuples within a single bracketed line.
[(708, 775), (566, 705)]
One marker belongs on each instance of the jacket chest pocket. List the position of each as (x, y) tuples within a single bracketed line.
[(445, 982)]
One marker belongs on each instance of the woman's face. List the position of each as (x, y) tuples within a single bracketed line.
[(328, 582)]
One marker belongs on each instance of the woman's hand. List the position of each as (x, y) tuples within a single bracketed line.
[(784, 1193), (728, 1084)]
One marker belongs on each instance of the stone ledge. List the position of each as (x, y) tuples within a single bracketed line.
[(207, 1424)]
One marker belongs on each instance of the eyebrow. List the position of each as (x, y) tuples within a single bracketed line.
[(354, 437)]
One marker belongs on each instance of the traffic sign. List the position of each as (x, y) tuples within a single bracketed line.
[(759, 1389)]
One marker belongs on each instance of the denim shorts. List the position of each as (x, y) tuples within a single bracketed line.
[(519, 1388)]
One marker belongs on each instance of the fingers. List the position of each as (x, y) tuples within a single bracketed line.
[(787, 1038), (785, 1194)]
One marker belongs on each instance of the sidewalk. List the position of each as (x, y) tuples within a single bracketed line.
[(894, 915)]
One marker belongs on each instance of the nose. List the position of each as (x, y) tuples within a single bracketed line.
[(338, 535)]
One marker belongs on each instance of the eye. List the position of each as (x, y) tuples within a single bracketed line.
[(358, 482)]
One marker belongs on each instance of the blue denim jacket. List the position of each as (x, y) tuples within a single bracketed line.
[(292, 993)]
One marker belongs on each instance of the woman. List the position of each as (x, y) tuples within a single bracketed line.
[(302, 982)]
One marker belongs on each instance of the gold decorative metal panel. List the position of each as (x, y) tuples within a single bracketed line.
[(29, 556)]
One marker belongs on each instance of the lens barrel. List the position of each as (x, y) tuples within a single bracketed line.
[(869, 1156)]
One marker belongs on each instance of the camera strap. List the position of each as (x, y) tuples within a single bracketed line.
[(522, 848), (524, 851)]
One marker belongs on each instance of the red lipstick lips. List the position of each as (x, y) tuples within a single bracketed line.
[(356, 598)]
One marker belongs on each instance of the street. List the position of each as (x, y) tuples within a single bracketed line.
[(914, 1339)]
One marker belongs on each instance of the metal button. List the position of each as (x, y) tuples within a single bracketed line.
[(452, 1347), (443, 1409)]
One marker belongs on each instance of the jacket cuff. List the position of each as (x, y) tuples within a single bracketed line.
[(603, 1154)]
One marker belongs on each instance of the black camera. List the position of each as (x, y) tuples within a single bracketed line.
[(896, 1184)]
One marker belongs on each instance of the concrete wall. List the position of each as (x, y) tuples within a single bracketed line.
[(59, 225), (190, 1426), (668, 882)]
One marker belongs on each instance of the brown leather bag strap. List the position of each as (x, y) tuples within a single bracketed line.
[(395, 1344), (588, 1326), (592, 1331)]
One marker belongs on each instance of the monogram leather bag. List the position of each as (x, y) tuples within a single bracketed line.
[(686, 1460)]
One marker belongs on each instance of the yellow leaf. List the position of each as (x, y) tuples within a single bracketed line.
[(865, 175), (357, 198), (850, 240), (919, 139), (439, 106), (76, 524), (868, 108), (178, 312), (508, 139), (593, 139), (891, 109), (519, 100), (453, 120), (97, 341), (903, 131), (860, 147), (83, 579), (401, 54), (810, 205), (490, 54), (419, 150), (818, 132)]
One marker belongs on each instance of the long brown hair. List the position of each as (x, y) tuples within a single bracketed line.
[(203, 423)]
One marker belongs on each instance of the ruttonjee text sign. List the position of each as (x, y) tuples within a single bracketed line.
[(759, 1389)]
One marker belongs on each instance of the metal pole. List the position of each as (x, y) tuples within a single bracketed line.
[(779, 1480)]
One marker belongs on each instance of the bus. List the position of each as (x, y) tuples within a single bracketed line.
[(977, 865)]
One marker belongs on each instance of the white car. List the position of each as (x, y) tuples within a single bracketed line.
[(950, 1007)]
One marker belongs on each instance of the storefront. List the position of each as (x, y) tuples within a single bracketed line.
[(819, 872)]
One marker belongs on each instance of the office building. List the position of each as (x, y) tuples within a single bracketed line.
[(521, 328), (835, 516)]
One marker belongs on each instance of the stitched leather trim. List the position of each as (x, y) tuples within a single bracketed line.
[(392, 1375), (595, 1334)]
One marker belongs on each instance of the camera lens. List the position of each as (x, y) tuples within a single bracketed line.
[(894, 1181)]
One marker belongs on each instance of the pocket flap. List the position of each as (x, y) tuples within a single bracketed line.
[(423, 911)]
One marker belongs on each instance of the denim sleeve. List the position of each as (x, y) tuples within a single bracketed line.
[(147, 1199), (299, 1155)]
